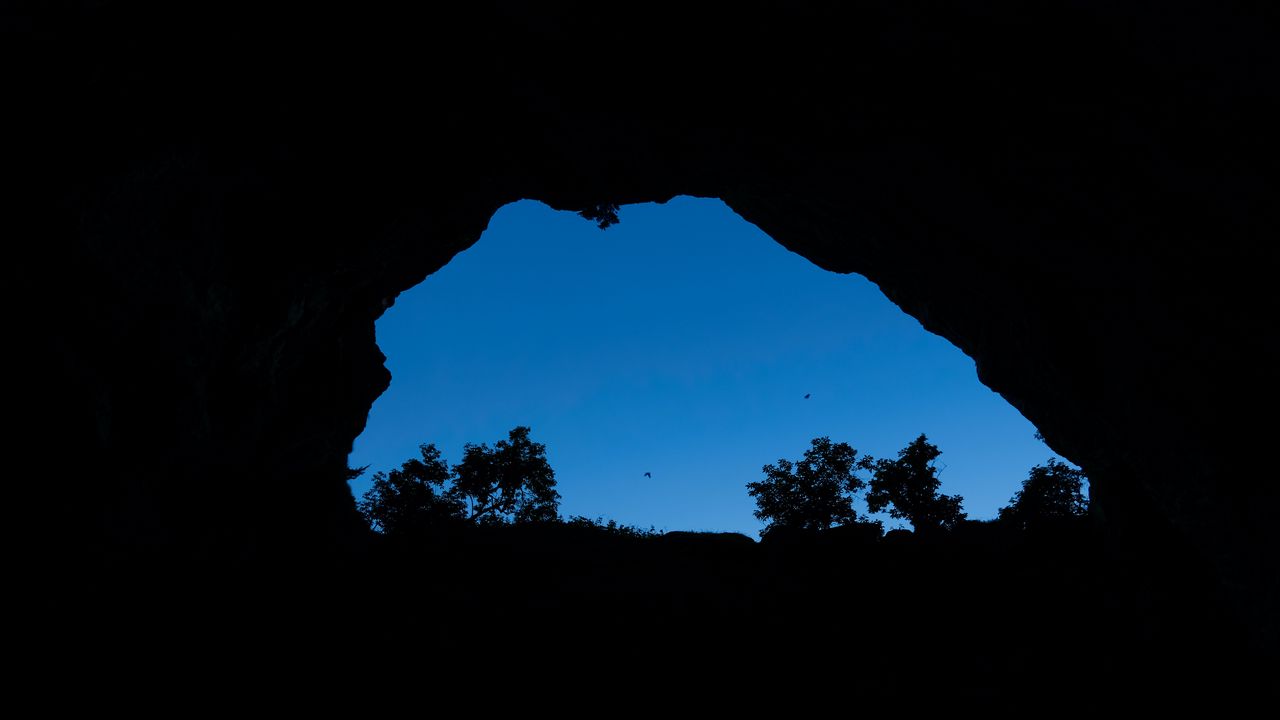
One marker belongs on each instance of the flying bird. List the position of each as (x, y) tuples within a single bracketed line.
[(806, 396), (649, 475)]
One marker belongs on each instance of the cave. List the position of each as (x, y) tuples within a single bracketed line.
[(683, 341), (216, 203)]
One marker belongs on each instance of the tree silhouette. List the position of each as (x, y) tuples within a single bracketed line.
[(512, 482), (811, 494), (415, 493), (908, 487), (1052, 492)]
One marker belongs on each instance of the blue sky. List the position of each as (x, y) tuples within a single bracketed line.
[(680, 342)]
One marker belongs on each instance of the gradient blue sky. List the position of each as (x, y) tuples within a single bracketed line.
[(679, 342)]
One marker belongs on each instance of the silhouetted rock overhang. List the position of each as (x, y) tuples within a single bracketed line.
[(219, 200)]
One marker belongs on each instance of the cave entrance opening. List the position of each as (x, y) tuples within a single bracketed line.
[(664, 360)]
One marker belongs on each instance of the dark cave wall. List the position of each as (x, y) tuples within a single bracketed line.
[(220, 201)]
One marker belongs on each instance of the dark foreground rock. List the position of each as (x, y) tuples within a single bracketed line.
[(211, 204)]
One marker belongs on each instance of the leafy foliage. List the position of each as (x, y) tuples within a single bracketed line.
[(414, 493), (814, 493), (509, 483), (612, 527), (512, 482), (908, 488), (1051, 492)]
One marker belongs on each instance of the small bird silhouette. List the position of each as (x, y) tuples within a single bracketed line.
[(649, 475), (806, 396)]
